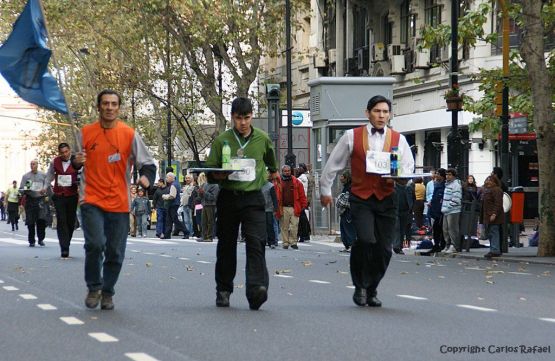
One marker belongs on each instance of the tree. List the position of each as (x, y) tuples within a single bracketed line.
[(531, 91)]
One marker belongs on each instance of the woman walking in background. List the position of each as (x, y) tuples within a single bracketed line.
[(346, 226), (492, 214)]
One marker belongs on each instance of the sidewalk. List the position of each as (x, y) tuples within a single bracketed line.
[(521, 254)]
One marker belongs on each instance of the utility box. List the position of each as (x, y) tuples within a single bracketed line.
[(337, 104)]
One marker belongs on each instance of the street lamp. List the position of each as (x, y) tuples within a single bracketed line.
[(290, 158), (272, 96)]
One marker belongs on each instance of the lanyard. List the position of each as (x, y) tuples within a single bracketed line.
[(240, 151)]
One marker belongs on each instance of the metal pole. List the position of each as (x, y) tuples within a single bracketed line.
[(453, 139), (169, 115), (505, 107), (290, 158), (135, 171)]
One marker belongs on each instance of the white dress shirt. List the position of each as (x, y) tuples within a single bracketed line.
[(341, 154)]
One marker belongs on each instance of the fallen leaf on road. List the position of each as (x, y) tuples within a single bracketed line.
[(289, 294), (490, 282), (546, 273), (404, 273), (281, 271), (239, 285), (189, 268), (20, 269), (343, 272), (307, 263), (480, 298), (489, 277), (148, 264), (440, 276), (331, 262), (522, 299), (172, 278), (418, 263)]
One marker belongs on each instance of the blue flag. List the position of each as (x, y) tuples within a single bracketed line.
[(24, 61)]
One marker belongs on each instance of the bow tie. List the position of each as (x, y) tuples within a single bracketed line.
[(374, 130)]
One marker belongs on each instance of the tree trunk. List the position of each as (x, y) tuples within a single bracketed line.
[(532, 49)]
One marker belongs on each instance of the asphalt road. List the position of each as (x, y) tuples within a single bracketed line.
[(434, 308)]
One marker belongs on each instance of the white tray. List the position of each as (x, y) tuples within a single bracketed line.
[(211, 170), (407, 176)]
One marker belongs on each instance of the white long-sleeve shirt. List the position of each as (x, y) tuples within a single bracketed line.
[(341, 154)]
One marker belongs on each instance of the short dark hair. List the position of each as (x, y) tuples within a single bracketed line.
[(63, 145), (441, 172), (241, 106), (107, 92), (498, 171), (378, 99), (453, 171)]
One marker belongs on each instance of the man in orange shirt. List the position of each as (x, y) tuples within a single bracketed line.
[(110, 148)]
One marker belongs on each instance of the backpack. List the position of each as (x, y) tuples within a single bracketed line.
[(342, 202)]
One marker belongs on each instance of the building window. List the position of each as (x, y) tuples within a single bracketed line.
[(405, 21), (432, 13), (360, 33), (387, 30)]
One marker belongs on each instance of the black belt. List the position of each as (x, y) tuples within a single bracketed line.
[(239, 193)]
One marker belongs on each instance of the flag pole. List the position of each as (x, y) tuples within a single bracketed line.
[(60, 83)]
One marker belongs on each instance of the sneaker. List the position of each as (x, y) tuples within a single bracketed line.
[(107, 303), (41, 243), (294, 246), (451, 249), (93, 299)]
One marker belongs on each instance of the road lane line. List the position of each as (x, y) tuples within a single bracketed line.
[(166, 255), (547, 319), (28, 296), (351, 287), (520, 273), (46, 307), (72, 321), (283, 276), (477, 308), (410, 297), (204, 262), (10, 288), (140, 356), (103, 337), (184, 258), (320, 282)]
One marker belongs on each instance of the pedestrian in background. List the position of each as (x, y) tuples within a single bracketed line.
[(492, 214), (208, 194), (34, 187), (110, 150), (429, 194), (470, 212), (65, 196), (241, 204), (12, 205), (3, 206), (291, 202), (173, 198), (188, 189), (270, 207), (451, 209), (373, 201), (161, 211), (141, 209), (346, 227), (132, 218), (303, 233), (434, 211), (405, 199), (419, 200)]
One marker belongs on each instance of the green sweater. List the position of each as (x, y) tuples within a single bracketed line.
[(260, 148)]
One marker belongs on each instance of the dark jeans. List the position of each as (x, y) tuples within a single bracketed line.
[(161, 221), (13, 214), (347, 228), (66, 211), (494, 232), (437, 231), (105, 242), (418, 210), (245, 209), (270, 233), (402, 230), (374, 222), (173, 219)]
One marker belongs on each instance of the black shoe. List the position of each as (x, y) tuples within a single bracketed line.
[(186, 236), (41, 243), (285, 247), (222, 298), (294, 246), (398, 251), (107, 302), (359, 297), (65, 254), (373, 301), (257, 296), (272, 246), (489, 255), (31, 245)]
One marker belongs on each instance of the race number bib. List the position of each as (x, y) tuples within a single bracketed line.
[(377, 162), (36, 186), (248, 170), (64, 180)]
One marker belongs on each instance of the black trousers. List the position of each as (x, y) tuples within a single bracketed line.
[(35, 214), (245, 209), (66, 212), (374, 221), (437, 232), (171, 219), (270, 233)]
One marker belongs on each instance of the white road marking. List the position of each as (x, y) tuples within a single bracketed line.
[(103, 337), (135, 251), (72, 321), (146, 240), (46, 307), (184, 258), (28, 296), (547, 319), (149, 253), (410, 297), (477, 308), (475, 269), (10, 288), (140, 356), (520, 273), (165, 255), (205, 262), (351, 287), (1, 281), (283, 276), (330, 244), (318, 281), (403, 261)]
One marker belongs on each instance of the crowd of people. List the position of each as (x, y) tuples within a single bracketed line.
[(254, 202)]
